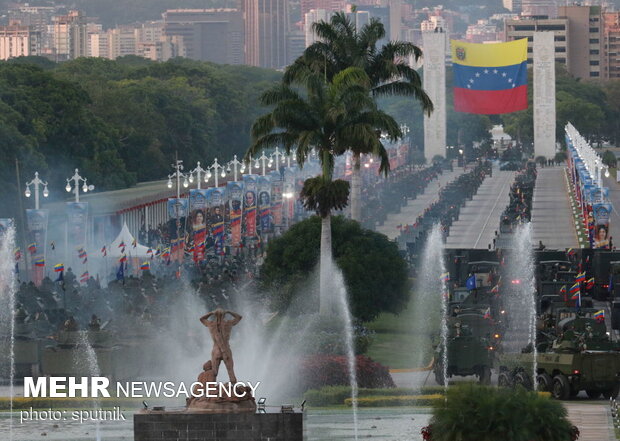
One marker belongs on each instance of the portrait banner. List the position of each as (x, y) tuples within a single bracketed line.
[(277, 185), (36, 222), (77, 224), (249, 205), (178, 211), (264, 203), (601, 212), (215, 201), (234, 190), (198, 221)]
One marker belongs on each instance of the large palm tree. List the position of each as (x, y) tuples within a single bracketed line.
[(328, 118), (340, 46)]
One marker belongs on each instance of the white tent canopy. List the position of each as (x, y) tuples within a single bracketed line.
[(125, 237)]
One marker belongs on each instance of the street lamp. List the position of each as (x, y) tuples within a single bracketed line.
[(178, 174), (277, 155), (198, 170), (263, 158), (76, 178), (235, 165), (215, 167), (36, 182)]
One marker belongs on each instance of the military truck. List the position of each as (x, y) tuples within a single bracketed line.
[(581, 357), (472, 344)]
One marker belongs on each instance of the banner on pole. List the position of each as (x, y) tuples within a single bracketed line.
[(249, 205), (36, 222), (234, 189), (264, 203), (198, 215), (215, 200)]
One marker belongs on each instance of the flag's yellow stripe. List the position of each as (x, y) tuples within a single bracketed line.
[(489, 55)]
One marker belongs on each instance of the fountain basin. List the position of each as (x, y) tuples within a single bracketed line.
[(153, 425)]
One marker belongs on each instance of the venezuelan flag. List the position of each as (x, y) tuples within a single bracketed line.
[(574, 289), (39, 262), (490, 78), (145, 266), (599, 314), (59, 267), (581, 277)]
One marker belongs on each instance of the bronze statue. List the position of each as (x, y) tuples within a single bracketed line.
[(243, 400), (220, 333)]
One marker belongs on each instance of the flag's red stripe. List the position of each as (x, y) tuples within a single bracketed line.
[(490, 102)]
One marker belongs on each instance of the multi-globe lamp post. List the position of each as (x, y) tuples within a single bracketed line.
[(36, 182), (76, 178), (199, 171), (236, 167), (178, 174)]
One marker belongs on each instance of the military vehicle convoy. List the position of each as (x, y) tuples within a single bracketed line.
[(473, 337), (581, 357), (471, 345)]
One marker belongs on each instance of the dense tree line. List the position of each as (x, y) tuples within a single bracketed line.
[(121, 121)]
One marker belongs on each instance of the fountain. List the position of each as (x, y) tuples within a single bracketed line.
[(92, 367), (430, 302), (207, 415), (345, 315), (7, 307), (520, 297)]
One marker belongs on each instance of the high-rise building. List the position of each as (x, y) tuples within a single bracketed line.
[(611, 42), (578, 38), (250, 20), (512, 5), (17, 40), (585, 34), (121, 42), (296, 45), (69, 36), (539, 8), (515, 29), (327, 5), (273, 30), (215, 35), (311, 17)]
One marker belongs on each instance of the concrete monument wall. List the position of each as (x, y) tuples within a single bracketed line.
[(434, 47), (544, 94)]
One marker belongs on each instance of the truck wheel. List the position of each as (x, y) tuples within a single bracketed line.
[(593, 394), (485, 375), (613, 392), (545, 382), (561, 388), (524, 380), (504, 380)]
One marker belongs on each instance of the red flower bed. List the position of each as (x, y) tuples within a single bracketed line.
[(333, 370)]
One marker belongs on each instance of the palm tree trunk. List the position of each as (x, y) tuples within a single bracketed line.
[(325, 263), (356, 189)]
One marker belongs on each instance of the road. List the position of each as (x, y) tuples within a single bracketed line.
[(479, 218), (552, 217), (614, 198), (415, 207)]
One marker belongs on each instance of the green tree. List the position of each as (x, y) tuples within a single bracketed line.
[(482, 413), (341, 45), (609, 159), (330, 118), (373, 269)]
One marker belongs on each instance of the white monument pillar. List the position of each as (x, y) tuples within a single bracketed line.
[(434, 47), (544, 95)]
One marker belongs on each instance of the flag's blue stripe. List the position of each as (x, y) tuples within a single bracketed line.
[(490, 78)]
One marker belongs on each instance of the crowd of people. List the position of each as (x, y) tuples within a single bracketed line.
[(131, 299), (446, 209), (390, 195)]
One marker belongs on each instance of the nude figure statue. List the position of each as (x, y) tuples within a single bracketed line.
[(220, 329)]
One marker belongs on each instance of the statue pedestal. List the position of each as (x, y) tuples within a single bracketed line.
[(189, 424)]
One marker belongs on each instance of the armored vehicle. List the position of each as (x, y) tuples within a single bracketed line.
[(581, 357), (472, 344)]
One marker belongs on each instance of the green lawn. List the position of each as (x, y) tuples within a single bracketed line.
[(395, 344)]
